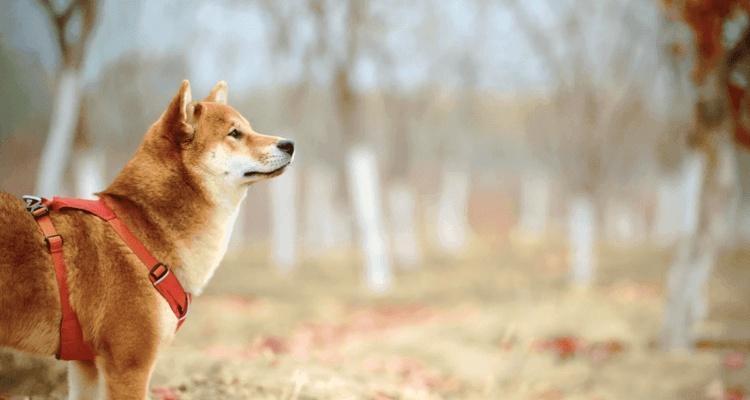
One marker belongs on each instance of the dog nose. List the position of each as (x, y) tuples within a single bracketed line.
[(287, 146)]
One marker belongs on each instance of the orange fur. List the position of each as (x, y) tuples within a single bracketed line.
[(178, 194)]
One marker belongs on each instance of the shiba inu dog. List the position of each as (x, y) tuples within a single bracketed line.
[(179, 195)]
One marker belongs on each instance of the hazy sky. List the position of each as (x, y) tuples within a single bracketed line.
[(228, 40)]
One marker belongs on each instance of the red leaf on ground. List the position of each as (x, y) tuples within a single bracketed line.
[(734, 393), (165, 393), (274, 344), (507, 344), (567, 346), (601, 351), (412, 373), (360, 322), (564, 346), (734, 360)]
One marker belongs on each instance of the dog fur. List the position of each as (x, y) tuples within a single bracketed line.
[(180, 195)]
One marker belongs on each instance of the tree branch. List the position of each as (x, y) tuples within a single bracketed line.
[(538, 40)]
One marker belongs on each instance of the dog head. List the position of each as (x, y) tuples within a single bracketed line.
[(215, 142)]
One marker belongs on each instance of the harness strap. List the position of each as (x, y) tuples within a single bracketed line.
[(164, 281), (72, 346)]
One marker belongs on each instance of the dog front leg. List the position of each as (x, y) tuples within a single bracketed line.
[(83, 381), (128, 379)]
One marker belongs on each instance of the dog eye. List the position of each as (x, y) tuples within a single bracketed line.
[(235, 134)]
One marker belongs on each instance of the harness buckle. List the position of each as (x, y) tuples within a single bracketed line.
[(158, 273), (35, 206), (54, 242)]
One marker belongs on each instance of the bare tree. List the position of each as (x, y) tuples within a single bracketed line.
[(283, 192), (326, 222), (403, 110), (718, 64), (362, 162), (592, 129), (71, 42), (340, 58), (404, 107)]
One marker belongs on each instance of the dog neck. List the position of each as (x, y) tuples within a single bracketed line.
[(202, 252), (181, 218)]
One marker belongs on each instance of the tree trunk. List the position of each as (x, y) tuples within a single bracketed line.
[(671, 206), (57, 149), (711, 211), (581, 239), (710, 215), (692, 264), (283, 198), (621, 223), (665, 229), (692, 183), (88, 169), (364, 184), (401, 196), (743, 213), (326, 226), (453, 209), (534, 205), (677, 202), (402, 204), (687, 276)]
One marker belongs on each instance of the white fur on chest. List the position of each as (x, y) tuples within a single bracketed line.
[(202, 254), (167, 322)]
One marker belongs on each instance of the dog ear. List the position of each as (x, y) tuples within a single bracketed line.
[(178, 116), (218, 93)]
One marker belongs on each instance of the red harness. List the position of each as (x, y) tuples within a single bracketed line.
[(72, 345)]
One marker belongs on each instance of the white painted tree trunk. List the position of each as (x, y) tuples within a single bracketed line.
[(88, 169), (283, 203), (743, 228), (624, 222), (670, 209), (534, 205), (743, 208), (453, 210), (710, 211), (691, 266), (687, 276), (677, 202), (402, 205), (581, 239), (326, 226), (61, 131), (364, 183), (692, 186)]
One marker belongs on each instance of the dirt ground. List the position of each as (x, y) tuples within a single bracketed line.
[(497, 324)]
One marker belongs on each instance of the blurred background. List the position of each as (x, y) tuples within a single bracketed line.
[(492, 199)]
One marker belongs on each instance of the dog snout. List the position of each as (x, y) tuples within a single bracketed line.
[(287, 146)]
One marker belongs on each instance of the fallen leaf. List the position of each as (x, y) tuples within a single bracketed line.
[(564, 346), (165, 393), (602, 351), (734, 360), (734, 393)]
